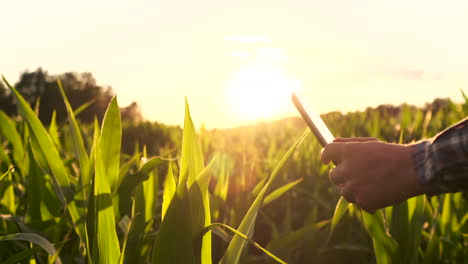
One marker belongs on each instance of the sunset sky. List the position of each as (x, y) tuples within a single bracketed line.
[(236, 60)]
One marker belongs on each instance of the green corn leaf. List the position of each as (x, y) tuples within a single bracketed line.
[(188, 211), (384, 246), (169, 190), (463, 221), (179, 236), (111, 137), (237, 244), (222, 185), (129, 183), (446, 216), (37, 106), (464, 96), (33, 238), (39, 156), (206, 240), (53, 130), (280, 191), (125, 168), (106, 236), (49, 159), (3, 156), (125, 224), (34, 195), (203, 181), (203, 178), (78, 143), (150, 190), (294, 238), (23, 255), (138, 224), (8, 199), (150, 165), (416, 222), (341, 207), (83, 107), (85, 165), (399, 229), (4, 175), (234, 231), (8, 130), (191, 163), (45, 144)]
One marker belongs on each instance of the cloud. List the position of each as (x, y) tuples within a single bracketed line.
[(271, 53), (416, 75), (240, 54), (247, 39), (411, 74)]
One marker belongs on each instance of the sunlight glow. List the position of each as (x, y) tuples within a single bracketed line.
[(260, 90)]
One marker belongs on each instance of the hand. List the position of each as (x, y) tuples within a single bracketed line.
[(371, 173)]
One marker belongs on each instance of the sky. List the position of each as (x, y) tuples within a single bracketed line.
[(236, 61)]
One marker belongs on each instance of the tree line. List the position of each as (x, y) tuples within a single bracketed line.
[(40, 90)]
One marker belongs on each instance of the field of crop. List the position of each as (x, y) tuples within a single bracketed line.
[(255, 194)]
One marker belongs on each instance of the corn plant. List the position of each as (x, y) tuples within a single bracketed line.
[(68, 194)]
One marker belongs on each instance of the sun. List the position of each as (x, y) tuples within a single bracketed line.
[(259, 90)]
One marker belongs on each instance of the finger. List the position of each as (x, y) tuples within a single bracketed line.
[(370, 210), (355, 139), (332, 152), (366, 206), (337, 176), (348, 195)]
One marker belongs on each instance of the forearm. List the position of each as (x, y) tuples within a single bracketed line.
[(442, 161)]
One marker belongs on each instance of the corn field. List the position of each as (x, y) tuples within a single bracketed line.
[(251, 195)]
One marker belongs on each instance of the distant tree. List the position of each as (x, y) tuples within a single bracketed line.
[(438, 104), (158, 138), (79, 88), (131, 113), (5, 100)]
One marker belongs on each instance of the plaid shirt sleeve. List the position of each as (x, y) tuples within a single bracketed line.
[(442, 161)]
